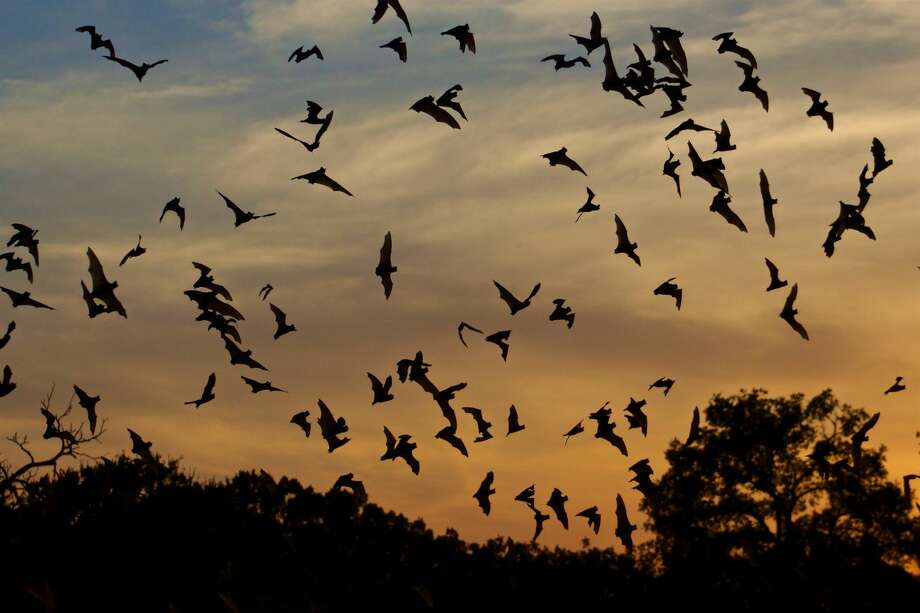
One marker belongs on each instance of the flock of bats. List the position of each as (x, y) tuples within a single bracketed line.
[(213, 300)]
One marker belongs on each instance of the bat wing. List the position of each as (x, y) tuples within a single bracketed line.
[(505, 295), (380, 10), (815, 96), (237, 211), (95, 271), (280, 316), (290, 136), (209, 386), (401, 13), (333, 185), (386, 252), (123, 62), (533, 292)]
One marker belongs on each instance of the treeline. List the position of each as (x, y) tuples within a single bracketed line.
[(763, 511)]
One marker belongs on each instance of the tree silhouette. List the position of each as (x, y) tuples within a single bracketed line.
[(71, 439), (769, 505)]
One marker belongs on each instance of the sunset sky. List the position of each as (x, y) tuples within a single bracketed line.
[(89, 157)]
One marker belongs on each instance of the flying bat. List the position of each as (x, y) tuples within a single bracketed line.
[(381, 8), (6, 383), (593, 517), (173, 206), (207, 394), (664, 383), (687, 124), (694, 434), (13, 263), (485, 490), (357, 487), (751, 84), (670, 289), (560, 62), (463, 325), (319, 177), (576, 429), (897, 386), (139, 71), (514, 423), (635, 416), (96, 41), (861, 436), (775, 282), (768, 202), (728, 44), (282, 327), (605, 428), (238, 356), (463, 36), (595, 39), (513, 303), (448, 100), (260, 386), (710, 170), (428, 106), (623, 244), (89, 403), (8, 335), (562, 313), (299, 55), (589, 205), (560, 157), (380, 390), (265, 291), (140, 447), (527, 495), (818, 108), (136, 252), (720, 205), (448, 434), (624, 529), (308, 146), (724, 139), (670, 170), (103, 290), (331, 428), (300, 420), (557, 502), (400, 448), (481, 424), (399, 46), (879, 162), (18, 299), (240, 216), (789, 312), (385, 268), (24, 236), (500, 338)]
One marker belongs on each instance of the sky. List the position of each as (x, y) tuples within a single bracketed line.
[(90, 156)]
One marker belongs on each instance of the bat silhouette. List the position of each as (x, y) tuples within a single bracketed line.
[(6, 384), (500, 338), (136, 252), (299, 55), (593, 517), (588, 206), (694, 434), (728, 44), (300, 420), (330, 427), (140, 447), (313, 111), (514, 423), (139, 71), (635, 416), (463, 36), (308, 146), (9, 334), (612, 81), (18, 299), (708, 170), (400, 448), (24, 236), (724, 138), (670, 289), (443, 397), (448, 434), (897, 386), (206, 280), (595, 38), (669, 50), (673, 88), (687, 124), (624, 529), (670, 170), (207, 393), (399, 46), (210, 301), (576, 429), (282, 326), (428, 106), (14, 263), (556, 502), (539, 517), (265, 291), (481, 424), (623, 244), (485, 490), (319, 177), (562, 313), (357, 487), (463, 325), (879, 163), (643, 472), (751, 84), (663, 383), (864, 182), (848, 218), (243, 358), (513, 303), (381, 9), (720, 205), (448, 100), (380, 390), (560, 62), (173, 206), (605, 428), (260, 386), (527, 495), (775, 282), (861, 436), (768, 202), (560, 157), (385, 268), (89, 403), (818, 108), (789, 312), (96, 41), (103, 290), (240, 216)]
